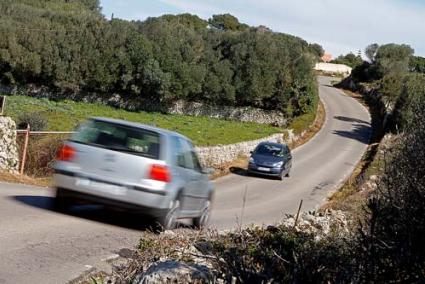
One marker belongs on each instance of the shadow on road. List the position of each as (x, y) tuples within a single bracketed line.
[(360, 132), (239, 171), (98, 213), (243, 172), (350, 119), (328, 86)]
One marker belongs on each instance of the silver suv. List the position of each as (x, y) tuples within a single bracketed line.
[(133, 166)]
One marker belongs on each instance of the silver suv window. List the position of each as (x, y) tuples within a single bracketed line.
[(185, 155), (119, 138), (179, 153)]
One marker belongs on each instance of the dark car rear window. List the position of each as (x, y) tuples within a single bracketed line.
[(119, 137)]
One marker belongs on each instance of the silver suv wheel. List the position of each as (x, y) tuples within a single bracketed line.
[(169, 221), (202, 221)]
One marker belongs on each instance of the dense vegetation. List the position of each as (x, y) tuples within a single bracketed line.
[(394, 241), (69, 46), (388, 246), (395, 76)]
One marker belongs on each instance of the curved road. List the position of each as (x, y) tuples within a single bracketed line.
[(319, 167), (39, 245)]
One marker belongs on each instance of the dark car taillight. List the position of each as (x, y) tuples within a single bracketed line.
[(66, 153), (160, 173)]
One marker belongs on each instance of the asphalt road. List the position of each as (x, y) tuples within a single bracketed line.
[(40, 245), (319, 167)]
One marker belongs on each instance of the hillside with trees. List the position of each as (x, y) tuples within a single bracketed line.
[(70, 47)]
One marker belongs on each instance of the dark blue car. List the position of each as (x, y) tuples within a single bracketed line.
[(270, 159)]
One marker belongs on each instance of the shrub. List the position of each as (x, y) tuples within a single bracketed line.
[(392, 243), (282, 255), (36, 120), (41, 154)]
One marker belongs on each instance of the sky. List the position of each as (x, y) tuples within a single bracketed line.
[(340, 26)]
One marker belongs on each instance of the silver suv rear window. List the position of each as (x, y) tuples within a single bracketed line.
[(117, 137)]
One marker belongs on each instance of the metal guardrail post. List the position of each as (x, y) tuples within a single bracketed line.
[(24, 153)]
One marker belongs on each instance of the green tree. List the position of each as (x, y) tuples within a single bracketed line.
[(417, 64), (392, 62), (370, 51), (393, 58), (349, 59), (317, 49), (226, 22)]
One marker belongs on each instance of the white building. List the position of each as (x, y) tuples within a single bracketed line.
[(337, 69)]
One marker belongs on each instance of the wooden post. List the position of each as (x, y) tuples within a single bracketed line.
[(2, 104), (24, 153), (298, 214)]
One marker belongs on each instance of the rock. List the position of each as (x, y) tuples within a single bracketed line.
[(373, 177), (169, 233), (9, 157), (171, 271), (320, 224)]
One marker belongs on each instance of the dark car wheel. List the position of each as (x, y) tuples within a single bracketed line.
[(282, 175), (289, 170), (169, 220), (202, 221)]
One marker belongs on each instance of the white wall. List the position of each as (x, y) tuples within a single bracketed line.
[(333, 68)]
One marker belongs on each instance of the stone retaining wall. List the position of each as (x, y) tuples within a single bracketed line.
[(9, 158), (245, 114), (214, 156)]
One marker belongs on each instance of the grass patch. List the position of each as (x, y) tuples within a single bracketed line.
[(204, 131), (312, 124), (15, 178), (302, 122)]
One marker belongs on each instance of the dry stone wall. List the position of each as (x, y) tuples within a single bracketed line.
[(9, 158), (214, 156), (245, 114)]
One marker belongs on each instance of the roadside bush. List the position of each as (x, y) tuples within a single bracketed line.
[(411, 95), (392, 241), (41, 154), (36, 120), (282, 255)]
